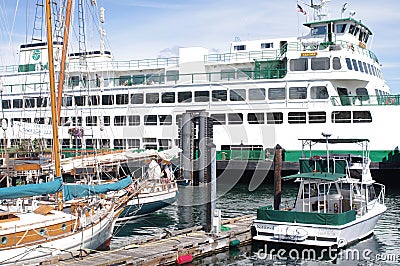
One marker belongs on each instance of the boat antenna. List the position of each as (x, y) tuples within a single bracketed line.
[(326, 136), (344, 7)]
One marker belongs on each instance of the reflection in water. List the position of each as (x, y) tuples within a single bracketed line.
[(240, 201)]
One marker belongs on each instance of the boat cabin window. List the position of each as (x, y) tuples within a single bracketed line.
[(239, 47), (93, 100), (319, 30), (74, 81), (355, 66), (106, 120), (185, 97), (104, 144), (322, 63), (319, 92), (168, 97), (90, 143), (362, 117), (120, 120), (67, 101), (300, 64), (80, 100), (152, 98), (121, 99), (362, 93), (348, 63), (66, 143), (341, 117), (255, 118), (137, 98), (341, 28), (275, 118), (237, 95), (133, 143), (235, 119), (365, 68), (257, 94), (371, 192), (336, 63), (133, 120), (107, 99), (41, 102), (6, 104), (91, 121), (165, 120), (309, 190), (360, 66), (316, 117), (219, 95), (297, 117), (137, 79), (352, 29), (17, 103), (267, 45), (119, 143), (201, 96), (297, 93), (150, 120), (276, 93), (218, 119), (77, 121), (164, 144)]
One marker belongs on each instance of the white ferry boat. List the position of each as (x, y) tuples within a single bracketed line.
[(258, 93)]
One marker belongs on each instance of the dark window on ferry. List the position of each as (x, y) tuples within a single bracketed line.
[(341, 117), (152, 98), (41, 102), (341, 28), (121, 99), (297, 93), (137, 79), (79, 100), (120, 120), (104, 143), (237, 95), (320, 30), (17, 103), (348, 62), (360, 66), (185, 97), (165, 120), (67, 101), (93, 100), (365, 68), (219, 95), (316, 117), (133, 120), (319, 92), (178, 119), (39, 120), (77, 121), (255, 118), (6, 104), (235, 119), (218, 119), (91, 121), (26, 119), (352, 29), (168, 97), (74, 81), (362, 117), (227, 74), (362, 94), (29, 103), (274, 118), (300, 64), (66, 143), (172, 75), (164, 144), (240, 47), (119, 143), (201, 96), (336, 63), (107, 99), (296, 117), (322, 63), (137, 98), (267, 45), (106, 120), (257, 94), (133, 143), (150, 120), (355, 66), (276, 94)]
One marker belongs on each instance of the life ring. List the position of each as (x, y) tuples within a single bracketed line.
[(390, 101)]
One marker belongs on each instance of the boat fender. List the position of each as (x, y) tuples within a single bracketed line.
[(390, 101), (184, 259), (234, 243)]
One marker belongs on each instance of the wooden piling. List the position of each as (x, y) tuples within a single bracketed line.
[(277, 177)]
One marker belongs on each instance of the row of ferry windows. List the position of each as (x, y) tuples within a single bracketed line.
[(222, 119), (234, 95)]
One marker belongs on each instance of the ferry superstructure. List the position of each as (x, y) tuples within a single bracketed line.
[(259, 94)]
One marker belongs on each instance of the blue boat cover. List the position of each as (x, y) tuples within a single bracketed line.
[(31, 189), (72, 191)]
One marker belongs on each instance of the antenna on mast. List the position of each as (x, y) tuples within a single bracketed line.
[(344, 7)]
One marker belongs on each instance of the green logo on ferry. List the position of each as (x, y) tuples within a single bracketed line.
[(36, 55)]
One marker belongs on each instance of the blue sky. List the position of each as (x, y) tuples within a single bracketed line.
[(138, 29)]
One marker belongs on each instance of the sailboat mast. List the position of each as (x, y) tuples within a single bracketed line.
[(52, 90), (63, 58)]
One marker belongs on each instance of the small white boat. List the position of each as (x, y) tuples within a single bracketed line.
[(337, 204)]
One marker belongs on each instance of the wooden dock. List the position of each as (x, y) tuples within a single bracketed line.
[(165, 249)]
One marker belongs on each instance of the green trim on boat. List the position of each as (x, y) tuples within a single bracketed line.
[(323, 176)]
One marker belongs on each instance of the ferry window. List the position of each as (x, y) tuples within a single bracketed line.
[(172, 75), (227, 74), (239, 47), (150, 120), (352, 29), (106, 120), (365, 68), (104, 144), (77, 121), (300, 64), (355, 66), (361, 36), (125, 80), (137, 79), (80, 100), (29, 103), (341, 28), (150, 146), (362, 117), (133, 120), (90, 143), (319, 92), (276, 94), (357, 29), (360, 66), (336, 63), (185, 97), (237, 95), (297, 117), (119, 143), (235, 119), (164, 144), (348, 62), (168, 97), (244, 73), (120, 120), (121, 99), (26, 120), (366, 37), (93, 100), (255, 118), (371, 192), (67, 101), (322, 63), (201, 96), (219, 95), (137, 98), (41, 102), (370, 69), (152, 79), (74, 81), (152, 98), (341, 117), (133, 143), (320, 30), (91, 121), (39, 120), (267, 45), (257, 94), (165, 120), (6, 104), (107, 99), (274, 118), (17, 103), (218, 119), (297, 93), (66, 143), (316, 117)]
